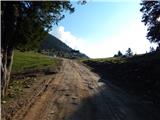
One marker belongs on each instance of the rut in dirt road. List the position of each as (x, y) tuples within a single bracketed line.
[(77, 94)]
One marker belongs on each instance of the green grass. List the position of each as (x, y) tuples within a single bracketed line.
[(30, 60), (111, 60)]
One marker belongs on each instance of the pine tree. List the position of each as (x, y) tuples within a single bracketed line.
[(129, 53), (119, 54)]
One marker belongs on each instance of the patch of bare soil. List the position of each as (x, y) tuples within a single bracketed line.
[(24, 88)]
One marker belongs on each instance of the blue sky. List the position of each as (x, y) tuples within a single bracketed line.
[(100, 29)]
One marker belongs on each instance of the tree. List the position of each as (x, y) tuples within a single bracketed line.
[(152, 49), (24, 24), (151, 18), (129, 52), (119, 54), (158, 47)]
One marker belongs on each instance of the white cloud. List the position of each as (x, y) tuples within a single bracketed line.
[(67, 37), (132, 36)]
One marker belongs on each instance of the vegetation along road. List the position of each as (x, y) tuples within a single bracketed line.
[(76, 93)]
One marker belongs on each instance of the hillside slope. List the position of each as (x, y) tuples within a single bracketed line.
[(138, 75), (55, 47)]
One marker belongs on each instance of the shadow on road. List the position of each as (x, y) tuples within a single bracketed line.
[(111, 103)]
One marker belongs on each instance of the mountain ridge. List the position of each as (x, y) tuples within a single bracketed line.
[(53, 46)]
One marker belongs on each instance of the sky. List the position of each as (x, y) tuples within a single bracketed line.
[(101, 28)]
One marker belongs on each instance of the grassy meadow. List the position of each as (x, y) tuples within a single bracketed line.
[(30, 60)]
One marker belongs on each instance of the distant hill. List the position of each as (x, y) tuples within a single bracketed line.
[(54, 47)]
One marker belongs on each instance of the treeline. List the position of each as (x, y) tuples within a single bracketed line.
[(129, 52)]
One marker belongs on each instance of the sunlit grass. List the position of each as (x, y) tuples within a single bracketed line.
[(111, 59), (30, 60)]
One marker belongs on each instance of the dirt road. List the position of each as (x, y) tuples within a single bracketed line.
[(76, 94)]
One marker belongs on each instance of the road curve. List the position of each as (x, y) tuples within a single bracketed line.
[(76, 94)]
